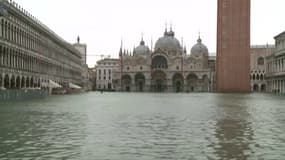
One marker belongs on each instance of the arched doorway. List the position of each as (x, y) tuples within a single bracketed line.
[(126, 83), (18, 82), (177, 82), (158, 81), (159, 62), (263, 88), (1, 80), (23, 82), (27, 82), (192, 82), (32, 82), (6, 81), (13, 82), (255, 88), (140, 82)]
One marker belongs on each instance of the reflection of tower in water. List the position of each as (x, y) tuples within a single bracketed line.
[(233, 130)]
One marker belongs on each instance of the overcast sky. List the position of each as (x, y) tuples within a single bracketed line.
[(102, 23)]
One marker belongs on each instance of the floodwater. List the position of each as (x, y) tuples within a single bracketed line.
[(147, 126)]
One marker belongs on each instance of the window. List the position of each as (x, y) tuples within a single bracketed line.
[(260, 61)]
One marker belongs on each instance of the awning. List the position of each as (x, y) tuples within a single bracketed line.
[(74, 86), (51, 84)]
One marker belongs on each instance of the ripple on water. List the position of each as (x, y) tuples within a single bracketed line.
[(144, 126)]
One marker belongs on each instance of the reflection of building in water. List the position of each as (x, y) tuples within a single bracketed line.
[(258, 62), (167, 68), (233, 131), (276, 66)]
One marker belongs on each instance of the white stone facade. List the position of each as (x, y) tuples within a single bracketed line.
[(258, 61), (167, 68), (31, 54), (104, 73), (276, 67)]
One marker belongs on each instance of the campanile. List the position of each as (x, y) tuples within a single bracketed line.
[(233, 46)]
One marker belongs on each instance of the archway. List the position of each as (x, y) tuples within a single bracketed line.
[(177, 82), (1, 80), (192, 82), (140, 82), (255, 88), (32, 82), (18, 82), (109, 86), (263, 88), (23, 82), (27, 82), (158, 81), (126, 83), (159, 62), (7, 81), (13, 82)]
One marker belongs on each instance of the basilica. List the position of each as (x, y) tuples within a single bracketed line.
[(166, 68)]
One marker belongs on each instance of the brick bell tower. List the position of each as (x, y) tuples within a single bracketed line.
[(233, 46)]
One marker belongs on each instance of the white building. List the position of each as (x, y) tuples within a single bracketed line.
[(258, 54), (167, 68), (276, 66), (104, 73)]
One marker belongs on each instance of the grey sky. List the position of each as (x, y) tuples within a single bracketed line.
[(101, 24)]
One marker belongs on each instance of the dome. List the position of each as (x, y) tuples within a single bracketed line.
[(142, 49), (199, 49), (168, 42)]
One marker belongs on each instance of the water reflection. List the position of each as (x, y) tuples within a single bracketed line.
[(144, 126), (233, 129)]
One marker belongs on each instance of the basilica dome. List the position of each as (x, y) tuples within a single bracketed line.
[(199, 49), (142, 49), (168, 42)]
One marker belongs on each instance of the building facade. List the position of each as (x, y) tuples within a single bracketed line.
[(258, 54), (167, 68), (82, 48), (104, 73), (31, 54), (233, 46), (276, 66)]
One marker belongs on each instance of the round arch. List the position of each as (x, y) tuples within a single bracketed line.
[(7, 81), (18, 82), (140, 82), (159, 81), (192, 82), (13, 82), (126, 83), (27, 82), (255, 88), (1, 80), (178, 82), (23, 82), (159, 62), (32, 82)]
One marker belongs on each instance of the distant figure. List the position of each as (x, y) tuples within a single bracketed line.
[(101, 91)]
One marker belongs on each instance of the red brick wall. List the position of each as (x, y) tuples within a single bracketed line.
[(233, 46)]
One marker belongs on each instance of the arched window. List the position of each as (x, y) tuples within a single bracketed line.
[(159, 62), (260, 61)]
